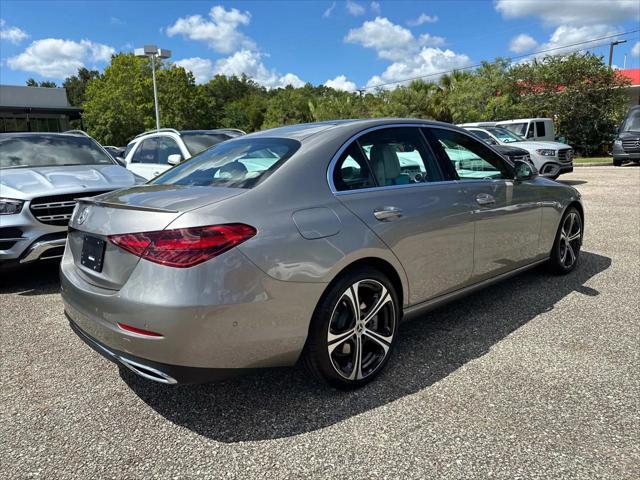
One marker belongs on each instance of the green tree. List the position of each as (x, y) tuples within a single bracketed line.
[(579, 92), (76, 85), (45, 83), (287, 106), (119, 104)]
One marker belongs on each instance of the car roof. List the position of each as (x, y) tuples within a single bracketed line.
[(303, 131), (50, 134)]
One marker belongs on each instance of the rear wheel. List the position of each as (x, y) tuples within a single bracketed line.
[(353, 329), (566, 248)]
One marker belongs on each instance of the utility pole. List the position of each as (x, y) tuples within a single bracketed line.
[(152, 52), (611, 45)]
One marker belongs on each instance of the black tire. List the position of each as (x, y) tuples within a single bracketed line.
[(617, 162), (566, 249), (333, 312)]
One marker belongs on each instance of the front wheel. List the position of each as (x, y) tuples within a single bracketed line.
[(566, 248), (353, 329), (617, 162)]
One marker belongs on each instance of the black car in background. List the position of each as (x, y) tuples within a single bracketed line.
[(626, 146)]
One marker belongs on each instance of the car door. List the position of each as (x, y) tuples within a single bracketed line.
[(506, 214), (391, 180)]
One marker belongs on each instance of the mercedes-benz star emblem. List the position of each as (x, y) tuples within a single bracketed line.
[(83, 216), (638, 143)]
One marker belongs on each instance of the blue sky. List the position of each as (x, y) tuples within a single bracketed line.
[(346, 43)]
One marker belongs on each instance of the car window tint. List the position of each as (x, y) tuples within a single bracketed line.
[(147, 152), (352, 172), (241, 163), (398, 156), (471, 159), (167, 146)]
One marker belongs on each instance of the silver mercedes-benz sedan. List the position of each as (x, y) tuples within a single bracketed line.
[(308, 242)]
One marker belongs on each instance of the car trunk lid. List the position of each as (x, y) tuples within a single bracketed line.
[(144, 208)]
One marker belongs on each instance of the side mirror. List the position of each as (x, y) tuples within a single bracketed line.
[(174, 159), (492, 141), (522, 171), (121, 161)]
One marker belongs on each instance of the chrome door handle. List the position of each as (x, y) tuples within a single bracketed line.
[(485, 199), (386, 214)]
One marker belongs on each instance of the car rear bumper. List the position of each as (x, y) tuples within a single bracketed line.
[(249, 321), (156, 371)]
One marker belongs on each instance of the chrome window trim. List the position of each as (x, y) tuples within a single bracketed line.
[(351, 139)]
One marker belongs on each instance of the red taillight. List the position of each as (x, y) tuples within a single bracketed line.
[(184, 247), (139, 331)]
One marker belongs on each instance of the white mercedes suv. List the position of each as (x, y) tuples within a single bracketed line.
[(151, 153)]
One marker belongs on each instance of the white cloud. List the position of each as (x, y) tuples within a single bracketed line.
[(202, 68), (428, 62), (341, 83), (522, 43), (390, 41), (635, 51), (250, 63), (569, 35), (57, 58), (327, 13), (422, 19), (574, 12), (354, 8), (12, 34), (220, 31), (376, 8)]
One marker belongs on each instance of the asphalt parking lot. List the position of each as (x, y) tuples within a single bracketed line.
[(537, 377)]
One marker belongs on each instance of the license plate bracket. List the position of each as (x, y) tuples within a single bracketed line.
[(92, 255)]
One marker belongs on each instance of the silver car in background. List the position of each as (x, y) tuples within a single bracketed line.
[(308, 242), (41, 175)]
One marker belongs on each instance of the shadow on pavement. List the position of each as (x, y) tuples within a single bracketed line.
[(285, 402), (40, 278)]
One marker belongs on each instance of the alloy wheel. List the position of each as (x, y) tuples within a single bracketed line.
[(361, 329), (570, 238)]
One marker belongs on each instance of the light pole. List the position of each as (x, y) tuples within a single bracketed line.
[(152, 52), (611, 45)]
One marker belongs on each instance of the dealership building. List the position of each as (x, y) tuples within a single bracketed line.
[(35, 109)]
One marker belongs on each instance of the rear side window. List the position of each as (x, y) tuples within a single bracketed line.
[(43, 150), (540, 130), (398, 156), (198, 142), (241, 163)]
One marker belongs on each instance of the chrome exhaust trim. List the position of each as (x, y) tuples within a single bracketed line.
[(139, 369)]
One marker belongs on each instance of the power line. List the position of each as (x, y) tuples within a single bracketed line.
[(363, 89)]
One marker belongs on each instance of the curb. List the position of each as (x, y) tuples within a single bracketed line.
[(599, 164)]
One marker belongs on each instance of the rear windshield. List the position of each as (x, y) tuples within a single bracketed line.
[(49, 150), (239, 163), (197, 142)]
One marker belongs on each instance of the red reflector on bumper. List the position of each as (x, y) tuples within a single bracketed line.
[(139, 331)]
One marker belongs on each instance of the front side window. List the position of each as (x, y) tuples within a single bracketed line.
[(471, 159), (398, 156), (46, 150), (147, 152), (241, 163), (167, 146)]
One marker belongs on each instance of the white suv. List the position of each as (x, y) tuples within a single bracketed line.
[(551, 159), (151, 153)]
